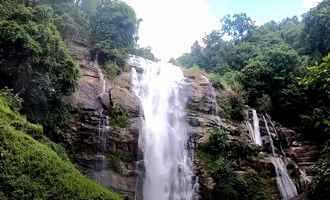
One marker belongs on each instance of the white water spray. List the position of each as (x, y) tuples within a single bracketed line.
[(164, 138)]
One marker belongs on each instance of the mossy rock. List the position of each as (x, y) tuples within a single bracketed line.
[(32, 170), (118, 117)]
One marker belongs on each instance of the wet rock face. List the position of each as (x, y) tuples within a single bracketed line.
[(104, 147), (201, 106), (201, 115), (304, 153)]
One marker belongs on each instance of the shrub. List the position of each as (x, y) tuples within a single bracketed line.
[(118, 117), (111, 69), (45, 71), (321, 182), (218, 157)]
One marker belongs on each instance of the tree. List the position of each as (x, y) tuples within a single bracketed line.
[(145, 52), (35, 63), (317, 29), (215, 51), (317, 83), (114, 25), (237, 26), (89, 6), (318, 77), (114, 29), (269, 72)]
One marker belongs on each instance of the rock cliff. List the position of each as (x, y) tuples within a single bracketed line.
[(103, 134)]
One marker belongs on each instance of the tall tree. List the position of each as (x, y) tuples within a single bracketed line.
[(237, 26), (317, 29), (114, 28)]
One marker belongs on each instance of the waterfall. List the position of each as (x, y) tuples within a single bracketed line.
[(164, 138), (269, 136), (104, 119), (284, 182), (254, 129), (103, 126)]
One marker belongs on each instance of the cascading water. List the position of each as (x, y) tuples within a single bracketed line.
[(284, 182), (167, 161), (254, 129), (103, 126), (104, 119), (269, 135)]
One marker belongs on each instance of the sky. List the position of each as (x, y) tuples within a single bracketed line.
[(170, 27)]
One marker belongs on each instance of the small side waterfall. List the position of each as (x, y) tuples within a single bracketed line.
[(254, 129), (284, 182), (103, 126), (164, 138), (104, 119)]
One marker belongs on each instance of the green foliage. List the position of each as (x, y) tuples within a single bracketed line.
[(233, 105), (111, 69), (269, 72), (72, 23), (241, 187), (89, 6), (145, 53), (113, 29), (321, 182), (232, 80), (216, 80), (118, 159), (44, 72), (241, 54), (14, 101), (220, 147), (219, 157), (318, 77), (217, 142), (316, 82), (11, 118), (31, 170), (118, 117), (232, 101), (237, 26), (317, 29)]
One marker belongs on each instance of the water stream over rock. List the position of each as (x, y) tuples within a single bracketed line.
[(168, 173), (285, 184)]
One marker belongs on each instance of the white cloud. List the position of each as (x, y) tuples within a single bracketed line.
[(170, 27), (308, 4)]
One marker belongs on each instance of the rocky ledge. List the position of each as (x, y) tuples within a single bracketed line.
[(103, 134)]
